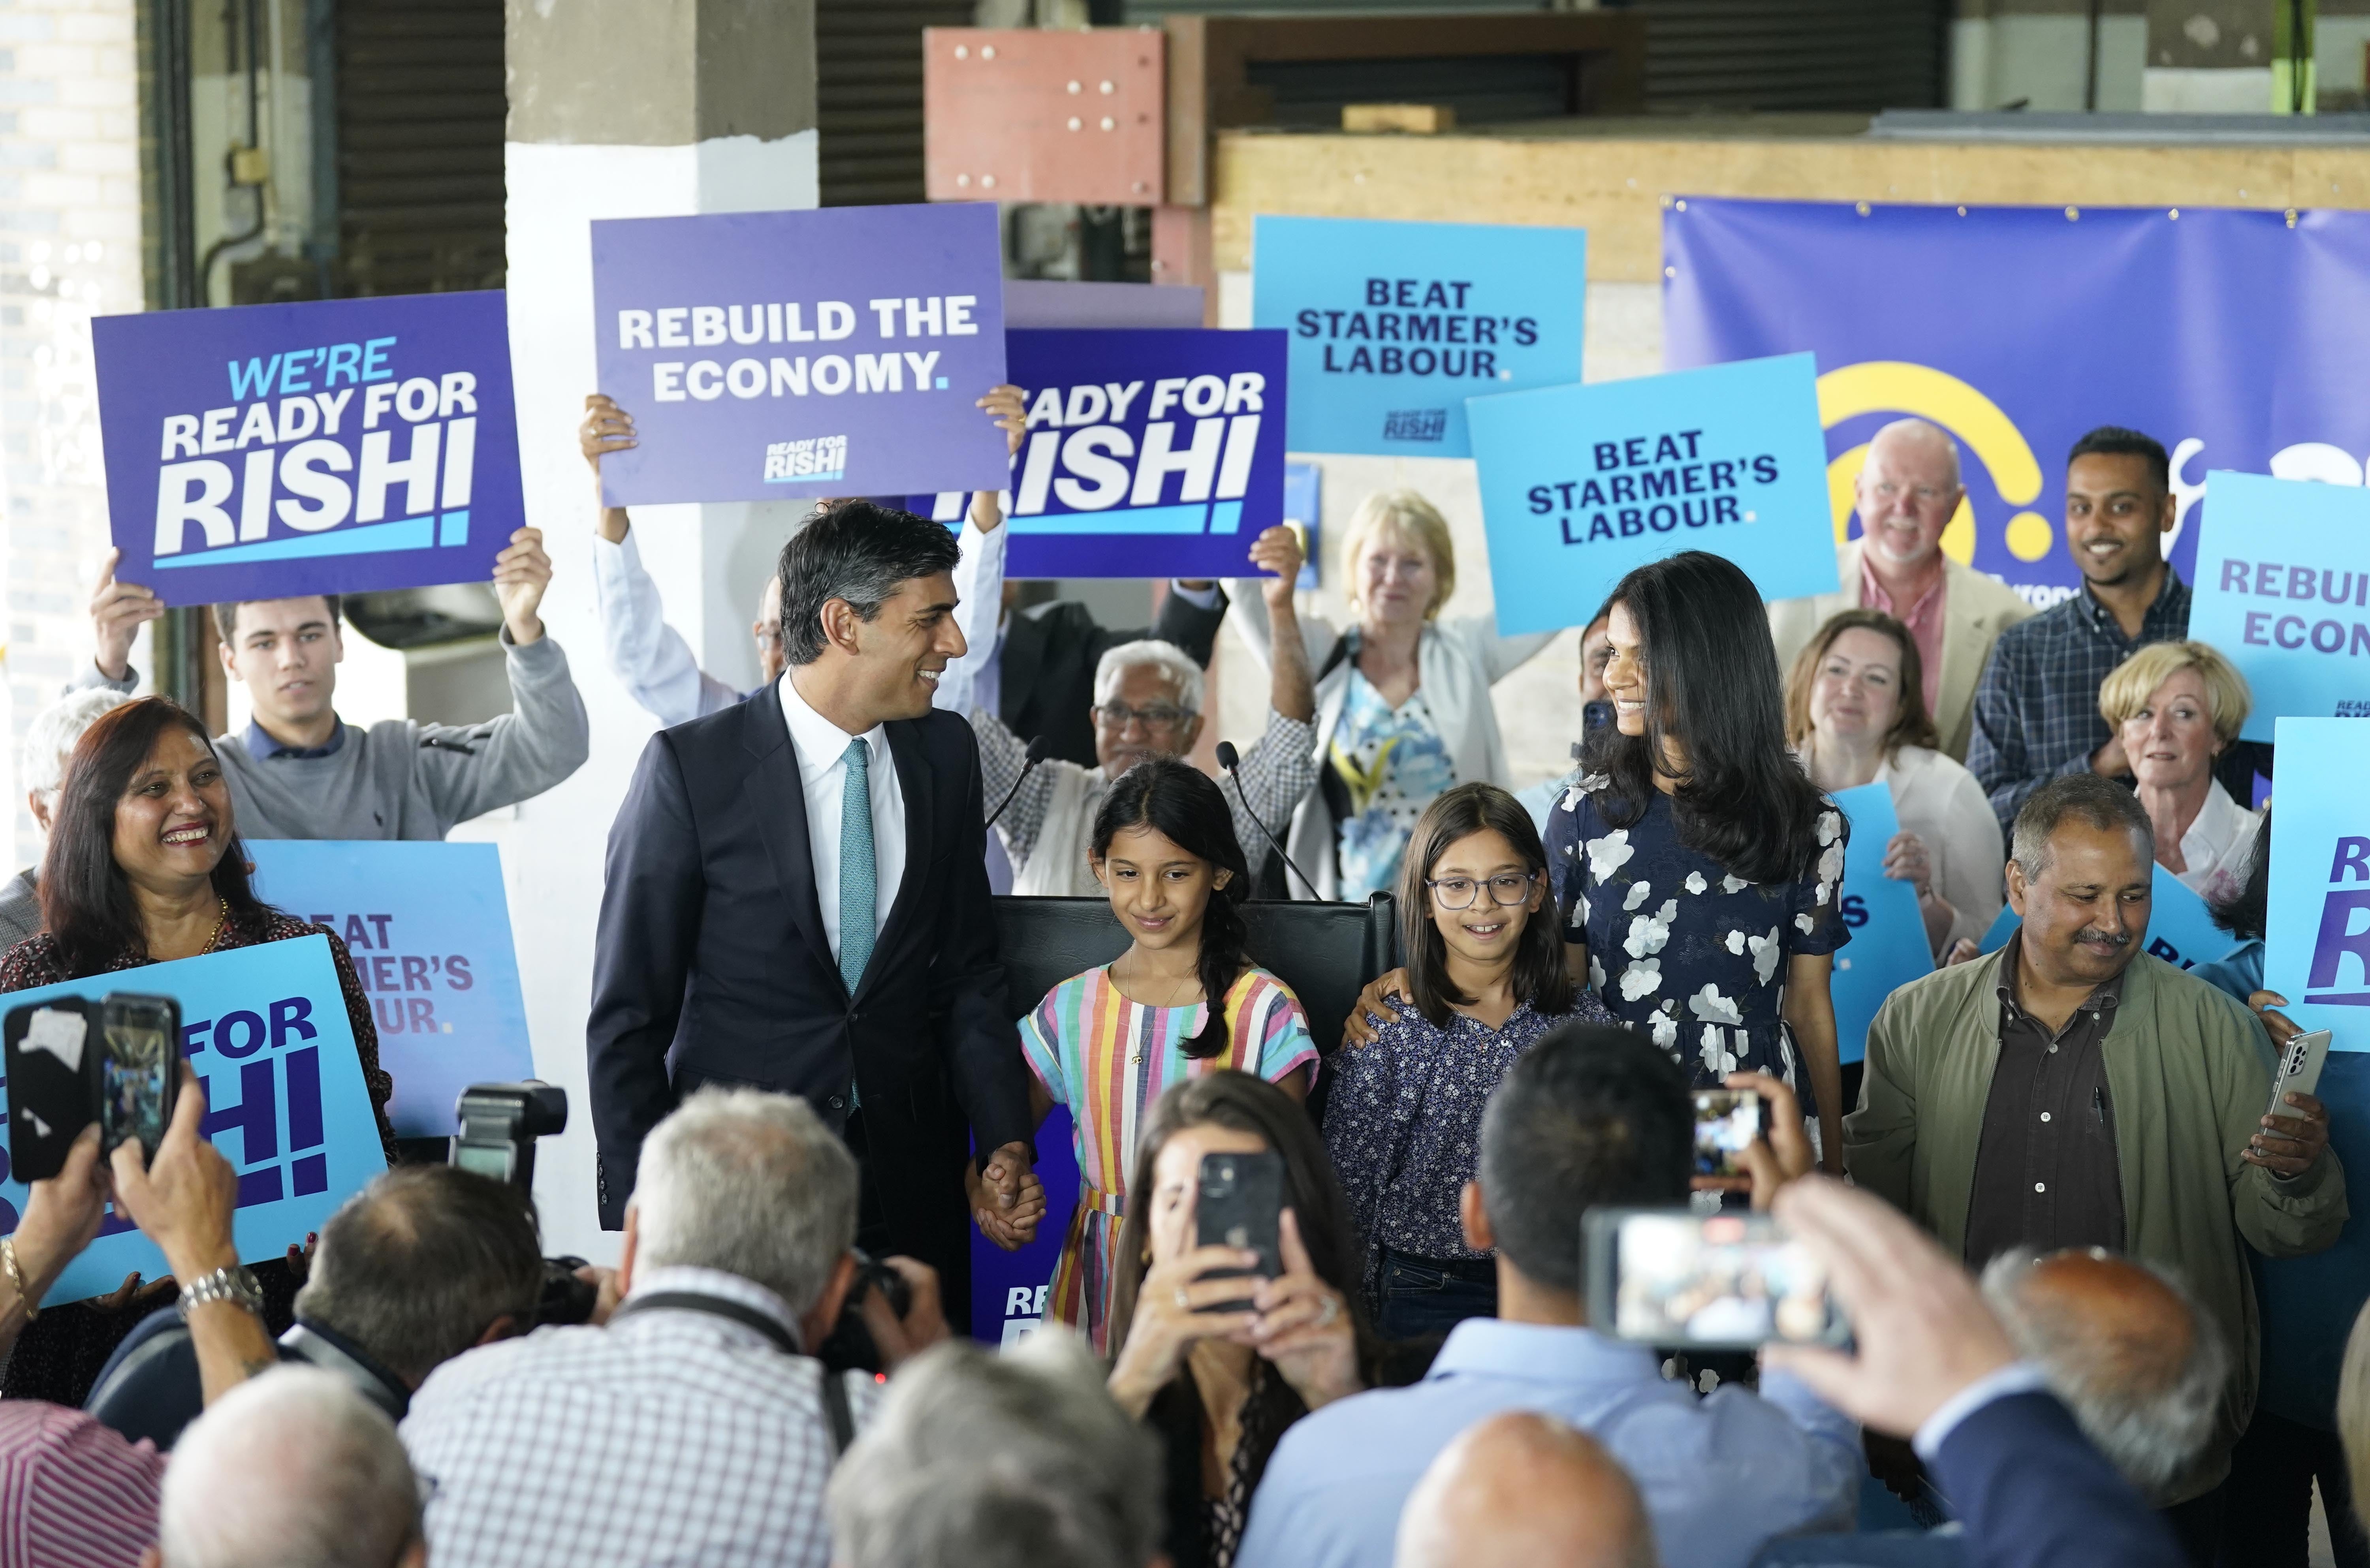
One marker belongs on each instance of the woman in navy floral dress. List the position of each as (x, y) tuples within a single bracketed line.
[(1699, 872)]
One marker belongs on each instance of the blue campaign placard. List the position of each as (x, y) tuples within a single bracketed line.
[(1579, 484), (2282, 589), (428, 929), (1888, 947), (2180, 928), (772, 355), (266, 1029), (334, 446), (1394, 325), (2317, 946)]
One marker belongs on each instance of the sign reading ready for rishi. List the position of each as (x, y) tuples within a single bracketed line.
[(771, 355), (1579, 484), (330, 447), (2284, 590), (1394, 325)]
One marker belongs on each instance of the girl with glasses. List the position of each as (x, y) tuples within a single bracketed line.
[(1485, 979)]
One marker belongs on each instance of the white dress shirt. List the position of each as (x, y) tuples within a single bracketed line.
[(822, 748), (649, 657), (2219, 846)]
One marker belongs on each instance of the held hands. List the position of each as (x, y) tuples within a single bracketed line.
[(117, 612), (1008, 406), (521, 573), (1010, 1229), (1278, 550), (1373, 1010)]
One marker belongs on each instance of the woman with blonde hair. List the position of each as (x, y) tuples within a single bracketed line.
[(1403, 708), (2176, 707), (1855, 714)]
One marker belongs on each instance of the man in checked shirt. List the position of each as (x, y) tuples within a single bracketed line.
[(1147, 704)]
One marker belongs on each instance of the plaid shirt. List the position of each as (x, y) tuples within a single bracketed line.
[(2037, 706), (668, 1437)]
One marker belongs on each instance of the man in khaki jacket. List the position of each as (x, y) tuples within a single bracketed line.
[(1907, 491), (2070, 1090)]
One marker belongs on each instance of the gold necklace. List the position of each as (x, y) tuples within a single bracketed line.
[(1175, 990), (220, 921)]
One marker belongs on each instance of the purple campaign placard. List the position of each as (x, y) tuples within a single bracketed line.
[(772, 355), (334, 446)]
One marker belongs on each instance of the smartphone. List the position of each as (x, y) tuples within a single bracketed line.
[(1239, 1203), (2300, 1067), (1727, 1122), (139, 1069), (52, 1062), (1595, 716), (1722, 1280)]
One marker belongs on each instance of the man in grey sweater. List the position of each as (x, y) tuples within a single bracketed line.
[(300, 772)]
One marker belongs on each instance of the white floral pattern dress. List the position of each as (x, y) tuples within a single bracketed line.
[(1680, 949)]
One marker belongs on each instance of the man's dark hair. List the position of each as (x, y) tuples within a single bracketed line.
[(860, 552), (418, 1265), (227, 618), (1591, 1116), (2114, 441), (2099, 802)]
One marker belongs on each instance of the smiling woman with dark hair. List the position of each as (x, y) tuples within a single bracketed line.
[(144, 866)]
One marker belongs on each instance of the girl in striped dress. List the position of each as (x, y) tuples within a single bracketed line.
[(1108, 1042)]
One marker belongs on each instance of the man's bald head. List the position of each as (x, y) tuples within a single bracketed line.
[(2127, 1348), (1907, 491), (1522, 1489)]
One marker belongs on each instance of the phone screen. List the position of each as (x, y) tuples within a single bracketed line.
[(138, 1063), (1727, 1122), (1732, 1280), (1238, 1202)]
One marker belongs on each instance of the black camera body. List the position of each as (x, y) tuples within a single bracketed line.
[(849, 1347)]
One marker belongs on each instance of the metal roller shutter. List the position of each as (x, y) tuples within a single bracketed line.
[(421, 108), (869, 95), (1834, 55)]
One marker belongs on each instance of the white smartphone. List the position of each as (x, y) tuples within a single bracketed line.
[(2300, 1067)]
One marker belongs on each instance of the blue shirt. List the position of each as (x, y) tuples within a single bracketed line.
[(1721, 1475), (263, 748)]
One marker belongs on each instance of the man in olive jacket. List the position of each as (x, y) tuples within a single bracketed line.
[(2071, 1091)]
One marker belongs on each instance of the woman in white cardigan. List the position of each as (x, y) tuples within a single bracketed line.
[(1855, 713), (1403, 708)]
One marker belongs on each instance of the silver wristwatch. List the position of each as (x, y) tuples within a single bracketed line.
[(232, 1283)]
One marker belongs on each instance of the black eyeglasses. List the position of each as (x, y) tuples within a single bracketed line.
[(1457, 892)]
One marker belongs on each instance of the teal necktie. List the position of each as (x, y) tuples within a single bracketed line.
[(859, 881)]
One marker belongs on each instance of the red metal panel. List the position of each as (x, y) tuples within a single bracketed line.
[(1042, 115)]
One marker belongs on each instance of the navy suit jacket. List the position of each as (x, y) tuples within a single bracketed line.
[(711, 967), (2034, 1493)]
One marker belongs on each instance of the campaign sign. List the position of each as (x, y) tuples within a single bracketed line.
[(2282, 589), (1888, 947), (770, 355), (2317, 948), (2180, 928), (1394, 325), (428, 929), (336, 446), (1007, 1289), (1581, 484), (266, 1029)]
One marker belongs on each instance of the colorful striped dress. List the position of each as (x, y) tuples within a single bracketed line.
[(1108, 1059)]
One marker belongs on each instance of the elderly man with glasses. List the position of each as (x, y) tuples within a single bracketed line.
[(1147, 704)]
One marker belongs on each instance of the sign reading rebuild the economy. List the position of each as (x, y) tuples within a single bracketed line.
[(330, 447), (1579, 484), (2283, 589), (1394, 325), (428, 929), (772, 355), (265, 1027)]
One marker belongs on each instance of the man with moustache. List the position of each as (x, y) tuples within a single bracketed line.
[(2073, 1090), (1907, 491)]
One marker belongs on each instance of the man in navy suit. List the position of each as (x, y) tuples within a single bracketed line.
[(795, 900), (1936, 1367)]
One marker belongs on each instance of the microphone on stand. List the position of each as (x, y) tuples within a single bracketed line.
[(1231, 760), (1037, 750)]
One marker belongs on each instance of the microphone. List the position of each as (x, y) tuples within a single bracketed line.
[(1037, 750), (1232, 760)]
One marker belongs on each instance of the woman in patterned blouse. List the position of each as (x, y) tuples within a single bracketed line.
[(1485, 979), (1108, 1042), (144, 866)]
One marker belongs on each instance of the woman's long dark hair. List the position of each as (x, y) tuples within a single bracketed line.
[(1178, 801), (1711, 684), (86, 899), (1245, 1104), (1539, 976), (2247, 914)]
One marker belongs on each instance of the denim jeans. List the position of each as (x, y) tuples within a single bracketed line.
[(1421, 1299)]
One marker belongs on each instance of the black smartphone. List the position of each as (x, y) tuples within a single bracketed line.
[(1727, 1122), (1239, 1203), (139, 1069), (51, 1065), (1673, 1278)]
